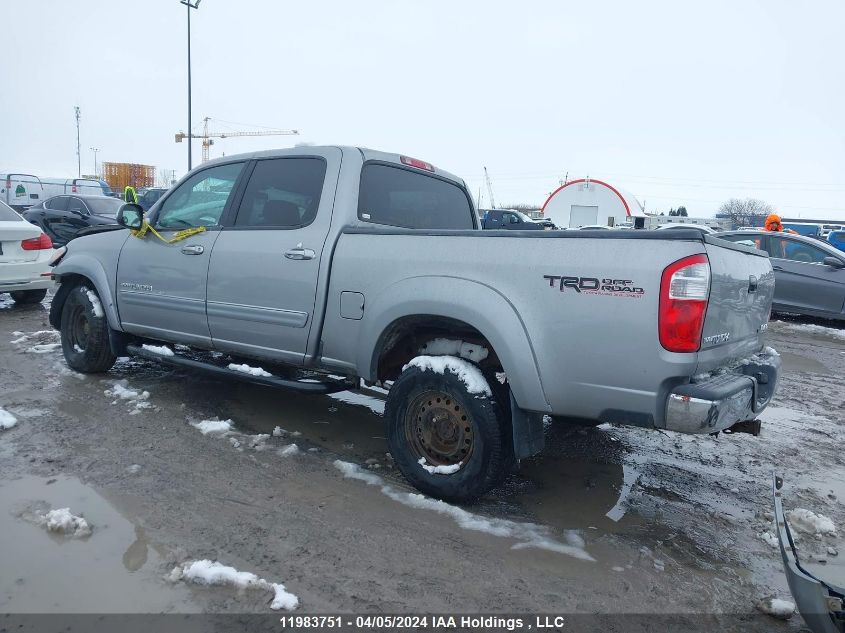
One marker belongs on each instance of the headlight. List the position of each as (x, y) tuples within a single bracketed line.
[(57, 255)]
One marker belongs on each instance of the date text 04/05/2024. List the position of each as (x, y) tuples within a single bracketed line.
[(377, 622)]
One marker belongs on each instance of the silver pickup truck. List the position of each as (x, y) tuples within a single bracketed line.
[(328, 265)]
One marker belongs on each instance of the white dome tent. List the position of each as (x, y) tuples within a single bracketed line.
[(585, 202)]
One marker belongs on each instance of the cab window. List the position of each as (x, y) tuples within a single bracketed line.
[(200, 200), (411, 199), (282, 193)]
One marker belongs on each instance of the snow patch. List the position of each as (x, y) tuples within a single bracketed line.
[(95, 303), (452, 347), (64, 522), (279, 432), (809, 328), (290, 449), (161, 350), (213, 427), (769, 538), (439, 470), (465, 371), (350, 397), (7, 420), (527, 535), (44, 348), (810, 522), (776, 607), (206, 572), (252, 371), (121, 392)]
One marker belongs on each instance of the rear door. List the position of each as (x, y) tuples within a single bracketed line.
[(804, 282), (161, 287), (262, 280)]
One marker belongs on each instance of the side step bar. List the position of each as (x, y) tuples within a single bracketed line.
[(272, 381)]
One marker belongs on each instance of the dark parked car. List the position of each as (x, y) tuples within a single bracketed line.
[(509, 219), (809, 273), (148, 197), (64, 217)]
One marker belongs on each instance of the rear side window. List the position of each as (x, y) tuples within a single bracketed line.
[(282, 192), (7, 214), (59, 203), (783, 248), (400, 197)]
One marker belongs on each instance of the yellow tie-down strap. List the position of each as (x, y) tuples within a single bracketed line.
[(179, 235)]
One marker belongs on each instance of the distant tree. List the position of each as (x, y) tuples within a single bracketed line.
[(672, 212), (745, 212), (661, 213), (681, 211)]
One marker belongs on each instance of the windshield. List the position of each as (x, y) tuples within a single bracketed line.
[(104, 206), (8, 214), (523, 217)]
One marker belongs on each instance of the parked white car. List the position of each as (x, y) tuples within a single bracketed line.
[(25, 252)]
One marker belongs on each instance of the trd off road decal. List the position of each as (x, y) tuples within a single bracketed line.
[(595, 285)]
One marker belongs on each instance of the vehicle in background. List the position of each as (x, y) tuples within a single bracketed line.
[(510, 219), (25, 253), (827, 228), (809, 273), (546, 223), (64, 217), (804, 228), (837, 239), (148, 197), (594, 227), (696, 227), (319, 262), (21, 191)]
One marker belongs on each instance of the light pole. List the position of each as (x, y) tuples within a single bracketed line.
[(95, 150), (77, 114), (195, 5)]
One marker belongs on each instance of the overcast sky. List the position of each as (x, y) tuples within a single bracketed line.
[(678, 103)]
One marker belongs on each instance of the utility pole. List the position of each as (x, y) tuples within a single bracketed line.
[(95, 150), (78, 154), (190, 6)]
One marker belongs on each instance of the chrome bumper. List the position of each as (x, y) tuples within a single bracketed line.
[(720, 401)]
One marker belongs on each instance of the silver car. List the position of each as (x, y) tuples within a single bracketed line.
[(809, 273)]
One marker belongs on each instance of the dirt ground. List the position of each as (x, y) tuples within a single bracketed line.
[(643, 526)]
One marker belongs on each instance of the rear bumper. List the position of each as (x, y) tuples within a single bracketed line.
[(820, 603), (728, 396)]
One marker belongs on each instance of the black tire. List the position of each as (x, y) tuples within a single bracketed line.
[(85, 336), (28, 296), (458, 421)]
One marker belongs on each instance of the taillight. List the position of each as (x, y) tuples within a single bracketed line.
[(416, 162), (684, 292), (40, 243)]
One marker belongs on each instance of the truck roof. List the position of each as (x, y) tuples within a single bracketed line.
[(366, 153)]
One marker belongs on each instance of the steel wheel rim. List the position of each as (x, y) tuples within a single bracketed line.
[(80, 329), (439, 429)]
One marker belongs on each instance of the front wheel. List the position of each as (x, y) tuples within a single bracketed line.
[(85, 332), (28, 296), (448, 442)]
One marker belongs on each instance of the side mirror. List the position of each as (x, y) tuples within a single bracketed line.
[(833, 262), (130, 216)]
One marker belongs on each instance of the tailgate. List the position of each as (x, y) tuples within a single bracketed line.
[(11, 236), (742, 285)]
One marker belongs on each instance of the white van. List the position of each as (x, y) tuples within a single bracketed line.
[(21, 191)]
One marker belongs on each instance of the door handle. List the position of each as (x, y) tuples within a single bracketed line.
[(752, 284), (193, 249), (300, 253)]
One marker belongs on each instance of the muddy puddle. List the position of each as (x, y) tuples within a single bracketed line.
[(114, 570)]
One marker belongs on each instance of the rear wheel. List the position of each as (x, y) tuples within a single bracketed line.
[(446, 441), (28, 296), (85, 332)]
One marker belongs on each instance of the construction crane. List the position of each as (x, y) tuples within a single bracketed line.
[(489, 189), (207, 136)]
